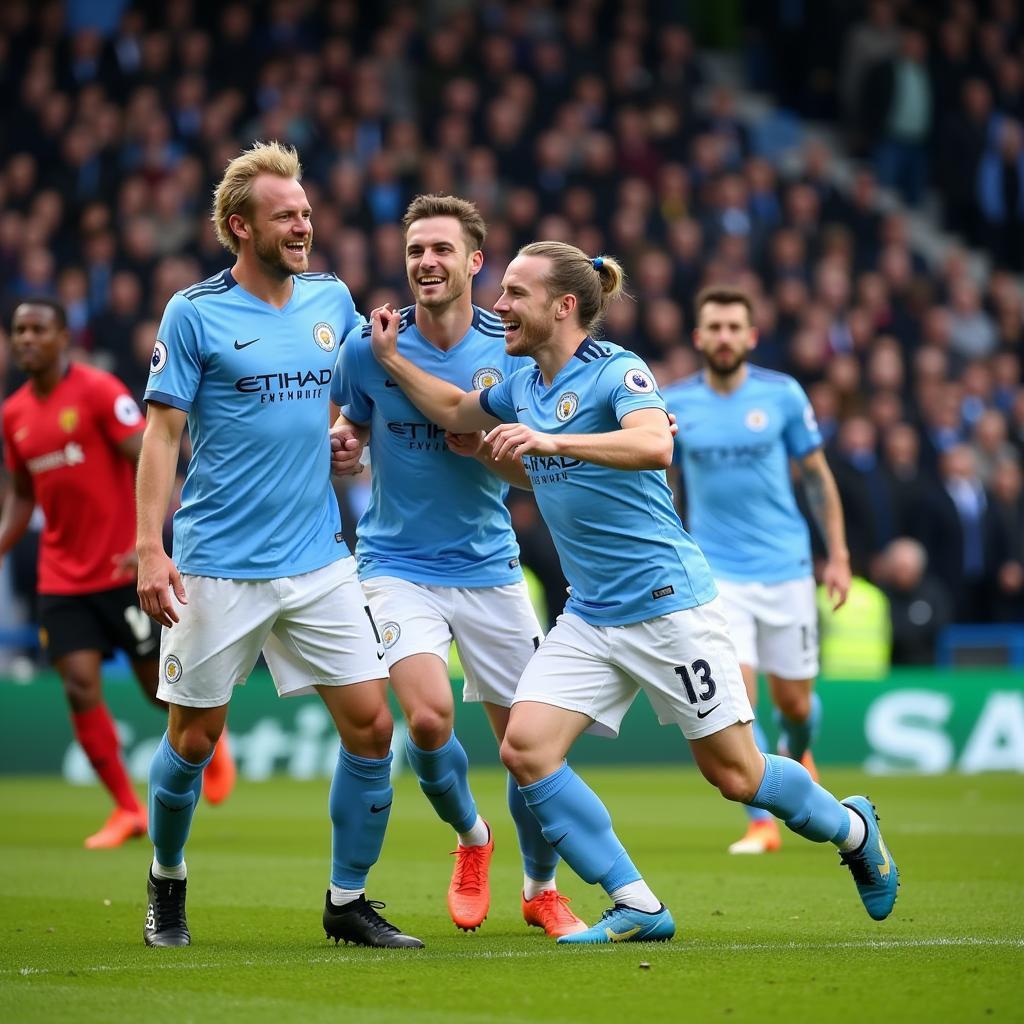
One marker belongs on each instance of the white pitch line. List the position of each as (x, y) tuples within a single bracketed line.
[(682, 947)]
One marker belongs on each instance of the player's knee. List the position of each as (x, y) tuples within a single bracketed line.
[(733, 782), (794, 705), (523, 762), (429, 727), (82, 693), (371, 735), (195, 741)]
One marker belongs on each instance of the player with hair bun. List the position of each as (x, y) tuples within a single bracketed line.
[(592, 431)]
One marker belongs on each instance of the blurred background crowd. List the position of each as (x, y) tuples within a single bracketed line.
[(624, 128)]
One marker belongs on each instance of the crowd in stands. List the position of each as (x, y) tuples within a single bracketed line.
[(578, 121)]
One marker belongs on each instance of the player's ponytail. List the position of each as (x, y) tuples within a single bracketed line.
[(596, 282)]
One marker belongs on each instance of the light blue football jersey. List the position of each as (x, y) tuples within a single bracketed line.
[(255, 382), (734, 453), (621, 544), (434, 517)]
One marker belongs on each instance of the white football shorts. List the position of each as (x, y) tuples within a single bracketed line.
[(313, 629), (495, 629), (684, 662), (774, 625)]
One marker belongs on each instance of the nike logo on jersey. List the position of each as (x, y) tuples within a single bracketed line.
[(389, 383), (704, 714), (374, 809), (558, 840), (520, 408), (244, 344), (621, 936)]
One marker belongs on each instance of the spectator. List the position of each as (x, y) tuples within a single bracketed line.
[(1006, 526), (919, 605)]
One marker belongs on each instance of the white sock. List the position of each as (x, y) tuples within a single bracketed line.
[(339, 896), (478, 835), (637, 895), (858, 832), (534, 887), (179, 872)]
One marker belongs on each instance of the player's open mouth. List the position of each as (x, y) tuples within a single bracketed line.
[(295, 246), (426, 282), (510, 326)]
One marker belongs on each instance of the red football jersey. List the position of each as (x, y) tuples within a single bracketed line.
[(67, 443)]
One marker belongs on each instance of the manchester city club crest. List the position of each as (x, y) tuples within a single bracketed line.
[(172, 669), (756, 419), (486, 377), (389, 634), (324, 336), (567, 406), (638, 381)]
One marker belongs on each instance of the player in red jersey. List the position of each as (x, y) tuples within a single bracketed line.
[(72, 435)]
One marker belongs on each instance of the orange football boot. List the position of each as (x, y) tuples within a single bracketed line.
[(808, 762), (549, 910), (762, 836), (121, 826), (220, 774), (469, 895)]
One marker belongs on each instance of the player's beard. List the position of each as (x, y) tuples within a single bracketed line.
[(272, 256), (726, 362), (531, 336), (455, 288)]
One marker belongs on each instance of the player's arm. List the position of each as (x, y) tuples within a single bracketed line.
[(158, 463), (644, 441), (827, 510), (19, 503), (444, 404), (472, 445)]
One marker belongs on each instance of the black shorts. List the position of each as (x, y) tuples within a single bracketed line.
[(102, 621)]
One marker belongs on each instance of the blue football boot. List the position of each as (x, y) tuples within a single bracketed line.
[(871, 865), (624, 924)]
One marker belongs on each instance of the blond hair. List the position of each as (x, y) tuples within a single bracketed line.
[(234, 191), (436, 205), (595, 282)]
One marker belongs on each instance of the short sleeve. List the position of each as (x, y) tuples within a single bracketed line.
[(347, 389), (176, 364), (116, 412), (629, 385), (800, 434), (497, 400)]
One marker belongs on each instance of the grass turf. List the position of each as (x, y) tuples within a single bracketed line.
[(775, 938)]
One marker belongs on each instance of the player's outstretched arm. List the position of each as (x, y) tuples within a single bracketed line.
[(827, 509), (155, 481), (444, 404), (512, 471), (17, 511), (643, 442)]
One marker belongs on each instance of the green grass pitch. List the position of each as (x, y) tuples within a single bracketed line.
[(777, 938)]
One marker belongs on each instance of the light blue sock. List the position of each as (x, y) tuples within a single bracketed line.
[(444, 779), (576, 824), (539, 860), (789, 792), (360, 805), (757, 813), (174, 788), (798, 736)]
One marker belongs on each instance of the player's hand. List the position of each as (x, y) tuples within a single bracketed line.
[(464, 444), (126, 564), (346, 451), (835, 577), (512, 440), (158, 576), (384, 322), (673, 424)]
